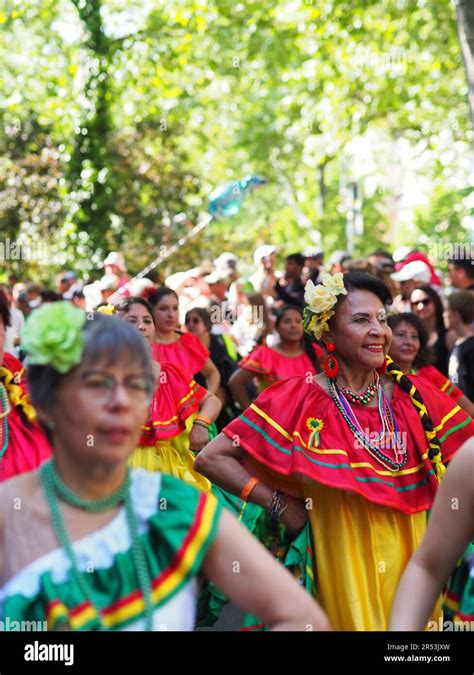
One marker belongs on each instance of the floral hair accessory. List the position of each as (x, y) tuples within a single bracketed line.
[(53, 336), (106, 309), (320, 301)]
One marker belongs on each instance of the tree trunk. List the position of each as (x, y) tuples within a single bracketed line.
[(465, 19)]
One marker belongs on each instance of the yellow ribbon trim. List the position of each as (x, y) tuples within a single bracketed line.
[(15, 392)]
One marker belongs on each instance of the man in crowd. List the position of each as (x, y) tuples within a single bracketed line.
[(290, 289), (461, 273), (459, 318), (409, 277)]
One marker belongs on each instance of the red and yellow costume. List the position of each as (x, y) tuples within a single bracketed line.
[(439, 380), (164, 444), (25, 443), (271, 366), (366, 521), (186, 352)]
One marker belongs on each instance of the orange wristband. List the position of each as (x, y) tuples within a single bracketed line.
[(203, 418), (248, 487)]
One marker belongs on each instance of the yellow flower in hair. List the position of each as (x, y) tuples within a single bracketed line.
[(320, 302), (317, 298), (106, 309), (334, 282)]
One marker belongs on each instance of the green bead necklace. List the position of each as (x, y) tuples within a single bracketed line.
[(4, 429), (53, 486), (4, 419)]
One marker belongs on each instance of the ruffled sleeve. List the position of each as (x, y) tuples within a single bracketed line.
[(177, 397), (28, 445), (187, 352), (185, 526), (444, 384), (452, 424), (177, 526), (259, 361), (294, 433)]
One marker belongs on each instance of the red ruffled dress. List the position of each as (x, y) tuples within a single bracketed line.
[(25, 445), (439, 380), (187, 352), (366, 521), (271, 366), (164, 444)]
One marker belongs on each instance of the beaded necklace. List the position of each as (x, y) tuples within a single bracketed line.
[(389, 429), (52, 486), (365, 397), (5, 403)]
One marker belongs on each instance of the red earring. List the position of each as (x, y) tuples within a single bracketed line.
[(331, 364), (381, 370)]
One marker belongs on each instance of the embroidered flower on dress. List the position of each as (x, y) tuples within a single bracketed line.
[(314, 424)]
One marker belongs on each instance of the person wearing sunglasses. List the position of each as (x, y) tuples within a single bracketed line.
[(427, 305), (97, 545), (180, 412)]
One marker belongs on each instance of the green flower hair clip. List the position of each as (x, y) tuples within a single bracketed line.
[(53, 336)]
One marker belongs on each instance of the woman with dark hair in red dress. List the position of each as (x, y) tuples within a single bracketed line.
[(23, 443)]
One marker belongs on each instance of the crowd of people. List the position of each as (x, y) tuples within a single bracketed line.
[(296, 421)]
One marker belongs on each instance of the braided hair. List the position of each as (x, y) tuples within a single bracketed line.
[(434, 446), (363, 281)]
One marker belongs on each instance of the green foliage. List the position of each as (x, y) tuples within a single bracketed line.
[(117, 116)]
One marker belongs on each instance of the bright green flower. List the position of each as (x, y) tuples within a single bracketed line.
[(53, 336)]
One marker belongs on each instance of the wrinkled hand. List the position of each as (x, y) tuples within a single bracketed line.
[(198, 438), (295, 516)]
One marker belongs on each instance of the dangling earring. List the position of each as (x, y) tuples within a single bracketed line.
[(331, 364), (381, 369)]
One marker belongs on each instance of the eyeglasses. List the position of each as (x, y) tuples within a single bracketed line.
[(193, 321), (101, 387), (424, 302)]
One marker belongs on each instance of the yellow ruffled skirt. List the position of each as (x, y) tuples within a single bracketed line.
[(361, 551), (171, 456)]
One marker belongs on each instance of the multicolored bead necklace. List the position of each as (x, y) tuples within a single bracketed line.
[(364, 398), (52, 486), (388, 433)]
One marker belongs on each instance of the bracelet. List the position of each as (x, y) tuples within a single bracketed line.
[(247, 489), (278, 505), (201, 424), (203, 418)]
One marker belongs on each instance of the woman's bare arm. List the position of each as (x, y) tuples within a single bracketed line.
[(212, 375), (238, 386), (221, 462)]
